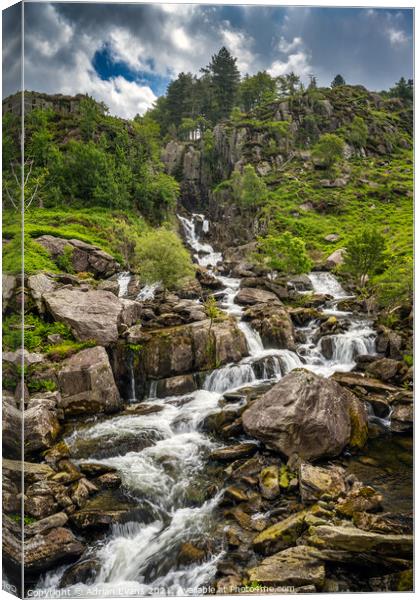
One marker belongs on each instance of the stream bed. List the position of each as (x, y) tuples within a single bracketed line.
[(162, 457)]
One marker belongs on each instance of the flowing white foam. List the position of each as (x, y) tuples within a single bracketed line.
[(123, 281), (326, 283)]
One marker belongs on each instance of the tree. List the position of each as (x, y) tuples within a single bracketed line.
[(248, 188), (337, 81), (365, 254), (329, 149), (312, 82), (285, 253), (162, 257), (358, 132), (403, 89), (179, 98), (225, 80), (257, 89)]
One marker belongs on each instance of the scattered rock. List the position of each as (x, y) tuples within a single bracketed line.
[(292, 567), (335, 259), (314, 482), (280, 535), (250, 296), (269, 482), (361, 498), (231, 453)]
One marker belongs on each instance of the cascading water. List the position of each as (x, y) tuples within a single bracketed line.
[(123, 282), (161, 456)]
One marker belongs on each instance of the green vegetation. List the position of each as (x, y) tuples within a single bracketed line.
[(285, 253), (329, 149), (248, 189), (162, 257), (364, 255), (338, 80), (36, 332)]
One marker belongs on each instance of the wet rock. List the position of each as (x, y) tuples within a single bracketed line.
[(384, 522), (41, 527), (352, 539), (84, 572), (274, 325), (41, 428), (353, 380), (235, 494), (84, 257), (301, 283), (251, 296), (269, 482), (361, 498), (302, 316), (11, 501), (176, 386), (389, 343), (91, 315), (188, 553), (87, 384), (281, 535), (308, 415), (384, 369), (108, 481), (42, 552), (194, 347), (393, 582), (96, 469), (292, 567), (231, 453), (402, 417), (314, 482), (207, 279)]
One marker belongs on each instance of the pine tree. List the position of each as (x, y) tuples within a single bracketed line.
[(225, 79), (338, 80)]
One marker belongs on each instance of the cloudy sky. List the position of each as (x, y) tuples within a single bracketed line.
[(125, 55)]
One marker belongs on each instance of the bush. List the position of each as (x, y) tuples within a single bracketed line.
[(285, 253), (248, 188), (357, 133), (365, 254), (329, 149), (162, 257)]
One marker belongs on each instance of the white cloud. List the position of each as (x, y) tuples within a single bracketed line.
[(286, 47), (180, 39), (397, 36), (239, 45), (298, 63)]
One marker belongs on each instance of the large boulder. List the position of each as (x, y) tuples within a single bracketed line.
[(11, 429), (87, 384), (335, 259), (249, 296), (39, 285), (84, 257), (190, 348), (91, 315), (9, 283), (307, 415), (273, 323)]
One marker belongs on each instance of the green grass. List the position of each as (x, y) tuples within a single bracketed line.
[(387, 205), (113, 231)]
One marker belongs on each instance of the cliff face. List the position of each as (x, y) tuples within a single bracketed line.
[(274, 138)]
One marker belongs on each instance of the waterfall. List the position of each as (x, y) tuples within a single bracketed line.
[(133, 397), (148, 291), (123, 281), (253, 338), (161, 456), (326, 283)]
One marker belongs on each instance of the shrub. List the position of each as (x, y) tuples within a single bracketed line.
[(365, 254), (285, 253), (329, 149)]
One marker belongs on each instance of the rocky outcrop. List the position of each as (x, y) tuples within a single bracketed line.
[(91, 315), (190, 348), (307, 415), (41, 426), (273, 323), (41, 551), (9, 283), (87, 384), (82, 256)]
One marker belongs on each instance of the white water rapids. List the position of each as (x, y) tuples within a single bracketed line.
[(161, 457)]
